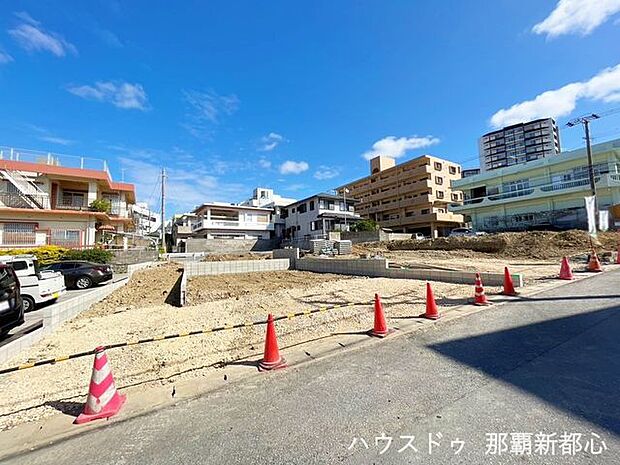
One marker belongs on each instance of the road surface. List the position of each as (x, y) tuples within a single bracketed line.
[(549, 364)]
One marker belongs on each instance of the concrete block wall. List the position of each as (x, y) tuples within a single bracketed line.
[(193, 245), (379, 268), (292, 254), (238, 266), (356, 267)]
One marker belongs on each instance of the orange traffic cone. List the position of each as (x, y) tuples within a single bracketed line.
[(480, 297), (431, 306), (271, 358), (565, 270), (594, 265), (103, 399), (380, 328), (509, 288)]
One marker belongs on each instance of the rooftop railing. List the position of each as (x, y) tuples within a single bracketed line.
[(53, 159)]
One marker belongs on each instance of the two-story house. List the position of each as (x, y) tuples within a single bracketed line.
[(314, 217), (46, 199)]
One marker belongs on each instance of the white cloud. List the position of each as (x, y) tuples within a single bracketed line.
[(605, 87), (31, 36), (119, 93), (5, 57), (57, 140), (392, 147), (206, 109), (577, 17), (326, 172), (293, 167), (270, 142), (264, 163)]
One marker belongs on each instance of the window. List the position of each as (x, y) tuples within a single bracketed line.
[(455, 197), (331, 206), (439, 194), (438, 166), (7, 279), (66, 238), (72, 199), (453, 170), (321, 204), (438, 180), (342, 207), (425, 211), (293, 210), (302, 208), (312, 205), (19, 265), (19, 234), (298, 228), (284, 213)]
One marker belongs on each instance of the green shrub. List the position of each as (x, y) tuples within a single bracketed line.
[(101, 205), (364, 225), (90, 255), (45, 254), (52, 253)]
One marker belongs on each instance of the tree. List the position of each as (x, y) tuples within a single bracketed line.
[(364, 225)]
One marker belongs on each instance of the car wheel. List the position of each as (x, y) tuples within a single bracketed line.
[(28, 303), (83, 282)]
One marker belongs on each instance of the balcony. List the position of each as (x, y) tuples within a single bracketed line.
[(231, 225), (609, 180)]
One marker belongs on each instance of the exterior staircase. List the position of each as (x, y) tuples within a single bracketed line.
[(27, 191)]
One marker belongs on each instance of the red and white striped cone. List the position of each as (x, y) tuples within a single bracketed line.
[(103, 399), (480, 297)]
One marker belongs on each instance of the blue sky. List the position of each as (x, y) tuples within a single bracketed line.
[(229, 95)]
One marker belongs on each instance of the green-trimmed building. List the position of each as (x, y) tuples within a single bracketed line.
[(543, 194)]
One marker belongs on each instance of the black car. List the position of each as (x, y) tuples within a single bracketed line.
[(11, 308), (81, 274)]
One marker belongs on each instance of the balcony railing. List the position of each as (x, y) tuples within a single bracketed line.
[(225, 224), (604, 180)]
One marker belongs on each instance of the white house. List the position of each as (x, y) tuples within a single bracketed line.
[(316, 216)]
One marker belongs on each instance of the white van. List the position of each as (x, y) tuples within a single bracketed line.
[(36, 286)]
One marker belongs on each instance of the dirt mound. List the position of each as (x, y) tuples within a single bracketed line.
[(146, 288), (534, 244)]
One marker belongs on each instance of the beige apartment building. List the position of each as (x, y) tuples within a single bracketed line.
[(409, 197)]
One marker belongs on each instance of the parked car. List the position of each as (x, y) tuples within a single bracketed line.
[(460, 232), (11, 306), (82, 274), (36, 286), (418, 236)]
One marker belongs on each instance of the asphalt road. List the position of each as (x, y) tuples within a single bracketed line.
[(547, 364)]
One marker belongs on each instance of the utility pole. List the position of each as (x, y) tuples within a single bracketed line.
[(346, 210), (585, 121), (163, 208)]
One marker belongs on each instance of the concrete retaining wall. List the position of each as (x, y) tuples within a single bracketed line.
[(56, 314), (291, 254), (373, 236), (380, 268), (193, 245), (123, 258), (238, 266)]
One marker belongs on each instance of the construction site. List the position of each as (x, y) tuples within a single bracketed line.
[(312, 305)]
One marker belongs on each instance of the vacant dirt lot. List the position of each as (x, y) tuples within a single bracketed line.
[(41, 391), (208, 288)]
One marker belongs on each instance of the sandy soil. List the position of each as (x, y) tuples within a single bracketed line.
[(146, 288), (209, 288), (42, 391)]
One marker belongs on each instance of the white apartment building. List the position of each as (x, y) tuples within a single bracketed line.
[(47, 199), (145, 220)]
